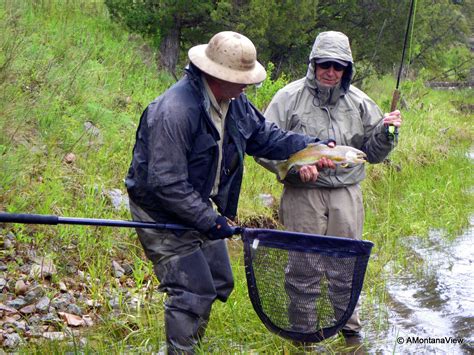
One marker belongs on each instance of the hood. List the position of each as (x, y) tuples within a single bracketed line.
[(331, 44)]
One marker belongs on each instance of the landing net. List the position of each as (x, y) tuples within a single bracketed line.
[(304, 287)]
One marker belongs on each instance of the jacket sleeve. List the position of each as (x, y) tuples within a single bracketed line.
[(171, 139), (376, 144), (269, 141), (278, 114)]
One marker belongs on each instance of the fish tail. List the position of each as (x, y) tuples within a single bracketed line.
[(282, 170)]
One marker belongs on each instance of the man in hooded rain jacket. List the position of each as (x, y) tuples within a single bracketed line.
[(326, 105), (187, 168)]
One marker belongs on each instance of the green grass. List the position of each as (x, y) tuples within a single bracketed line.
[(62, 70)]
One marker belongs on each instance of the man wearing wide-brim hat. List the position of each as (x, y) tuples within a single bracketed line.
[(187, 169)]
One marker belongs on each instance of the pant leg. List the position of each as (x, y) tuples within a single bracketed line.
[(188, 283), (302, 292), (217, 258), (345, 219), (303, 210), (193, 271), (333, 212)]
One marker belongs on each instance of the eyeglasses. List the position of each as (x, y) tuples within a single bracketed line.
[(327, 65)]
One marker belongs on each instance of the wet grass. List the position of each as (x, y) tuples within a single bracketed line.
[(63, 71)]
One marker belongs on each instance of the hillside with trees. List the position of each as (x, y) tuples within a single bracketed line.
[(284, 31)]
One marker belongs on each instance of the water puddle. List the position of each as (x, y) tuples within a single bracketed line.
[(431, 310)]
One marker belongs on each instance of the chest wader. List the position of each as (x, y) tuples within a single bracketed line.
[(193, 272), (192, 283)]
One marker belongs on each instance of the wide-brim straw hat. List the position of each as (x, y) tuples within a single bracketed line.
[(229, 56)]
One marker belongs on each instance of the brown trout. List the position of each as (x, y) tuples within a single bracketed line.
[(341, 154)]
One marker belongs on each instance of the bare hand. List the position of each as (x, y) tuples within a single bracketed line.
[(325, 163), (308, 173), (331, 144), (393, 119)]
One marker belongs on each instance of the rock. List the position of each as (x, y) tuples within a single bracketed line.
[(114, 303), (72, 319), (20, 325), (34, 294), (54, 335), (20, 287), (62, 286), (93, 304), (50, 318), (74, 309), (128, 269), (29, 309), (3, 283), (11, 236), (118, 199), (71, 269), (43, 268), (7, 244), (91, 128), (267, 200), (61, 302), (88, 320), (34, 320), (25, 268), (6, 309), (17, 303), (118, 270), (11, 340), (42, 305), (8, 322), (69, 158)]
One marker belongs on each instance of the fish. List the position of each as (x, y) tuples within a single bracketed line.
[(342, 155)]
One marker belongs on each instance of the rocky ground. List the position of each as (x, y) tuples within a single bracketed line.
[(36, 303)]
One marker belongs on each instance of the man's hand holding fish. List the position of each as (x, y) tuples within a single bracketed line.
[(320, 156), (309, 173)]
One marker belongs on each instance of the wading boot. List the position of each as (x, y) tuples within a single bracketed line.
[(355, 341)]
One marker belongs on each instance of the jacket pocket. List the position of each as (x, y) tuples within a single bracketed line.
[(202, 162), (312, 126), (203, 143)]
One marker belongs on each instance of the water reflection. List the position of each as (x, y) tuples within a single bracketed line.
[(431, 310)]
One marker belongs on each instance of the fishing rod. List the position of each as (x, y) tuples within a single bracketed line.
[(55, 220), (392, 130)]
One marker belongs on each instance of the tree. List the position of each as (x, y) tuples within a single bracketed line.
[(164, 22), (282, 31), (377, 28)]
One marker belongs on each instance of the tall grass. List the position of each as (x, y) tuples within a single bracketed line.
[(73, 82)]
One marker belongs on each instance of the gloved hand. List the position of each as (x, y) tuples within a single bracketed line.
[(221, 229)]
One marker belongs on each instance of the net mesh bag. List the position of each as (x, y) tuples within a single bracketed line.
[(304, 287)]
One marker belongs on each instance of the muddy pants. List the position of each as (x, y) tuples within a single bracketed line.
[(334, 212), (193, 271)]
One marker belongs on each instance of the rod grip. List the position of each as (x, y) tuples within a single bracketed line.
[(28, 218), (395, 98)]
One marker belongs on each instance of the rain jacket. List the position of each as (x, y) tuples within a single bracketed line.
[(175, 157), (345, 114)]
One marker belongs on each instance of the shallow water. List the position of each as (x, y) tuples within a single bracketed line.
[(431, 311)]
